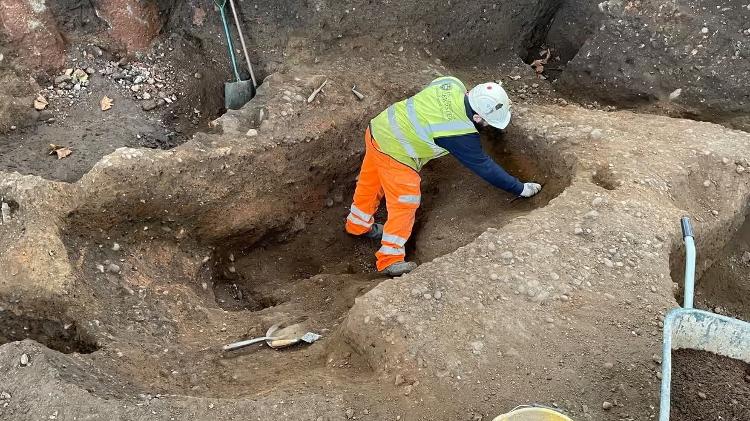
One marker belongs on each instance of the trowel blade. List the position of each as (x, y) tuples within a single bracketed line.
[(310, 337)]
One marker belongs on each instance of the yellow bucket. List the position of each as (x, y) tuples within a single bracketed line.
[(532, 413)]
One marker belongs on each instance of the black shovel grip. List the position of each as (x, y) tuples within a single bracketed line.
[(687, 229)]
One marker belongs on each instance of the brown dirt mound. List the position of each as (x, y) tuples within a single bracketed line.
[(707, 386)]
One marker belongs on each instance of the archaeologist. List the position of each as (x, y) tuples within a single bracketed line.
[(441, 119)]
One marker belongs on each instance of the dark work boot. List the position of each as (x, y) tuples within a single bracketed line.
[(376, 232), (399, 268)]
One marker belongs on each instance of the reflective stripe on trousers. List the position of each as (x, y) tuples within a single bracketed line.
[(356, 221), (392, 251), (410, 198), (360, 214), (394, 239)]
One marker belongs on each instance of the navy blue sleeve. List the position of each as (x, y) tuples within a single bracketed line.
[(468, 151)]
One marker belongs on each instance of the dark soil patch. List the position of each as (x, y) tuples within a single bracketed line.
[(707, 386), (51, 333), (85, 129), (605, 178), (77, 16), (194, 78)]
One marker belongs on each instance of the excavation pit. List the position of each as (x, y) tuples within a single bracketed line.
[(160, 303), (725, 286), (189, 296), (722, 285), (457, 207)]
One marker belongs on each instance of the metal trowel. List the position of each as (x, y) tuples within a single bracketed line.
[(278, 338)]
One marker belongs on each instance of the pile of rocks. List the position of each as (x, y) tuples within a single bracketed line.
[(74, 80), (70, 84), (146, 79), (136, 79), (142, 82)]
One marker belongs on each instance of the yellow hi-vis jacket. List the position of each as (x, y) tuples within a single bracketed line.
[(407, 130)]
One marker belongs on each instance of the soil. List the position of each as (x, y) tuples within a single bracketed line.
[(218, 240), (78, 123), (675, 66), (724, 288), (76, 17), (709, 387), (60, 337), (310, 272), (458, 206)]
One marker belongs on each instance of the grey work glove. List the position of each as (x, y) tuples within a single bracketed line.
[(530, 189)]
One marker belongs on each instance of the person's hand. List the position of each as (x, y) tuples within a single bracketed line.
[(530, 189)]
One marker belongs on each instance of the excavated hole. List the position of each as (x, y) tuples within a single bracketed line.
[(303, 269), (535, 39), (312, 271), (562, 27), (456, 207), (183, 74), (724, 286), (604, 177), (50, 333)]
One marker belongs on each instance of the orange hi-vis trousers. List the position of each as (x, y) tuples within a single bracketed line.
[(381, 176)]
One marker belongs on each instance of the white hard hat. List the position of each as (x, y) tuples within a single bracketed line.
[(491, 102)]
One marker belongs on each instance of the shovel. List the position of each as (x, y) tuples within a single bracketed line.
[(277, 338), (239, 92), (242, 40)]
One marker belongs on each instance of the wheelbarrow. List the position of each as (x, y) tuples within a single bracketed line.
[(688, 328)]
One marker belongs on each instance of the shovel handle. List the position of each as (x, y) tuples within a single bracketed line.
[(242, 40), (228, 35), (689, 288), (242, 344), (687, 229)]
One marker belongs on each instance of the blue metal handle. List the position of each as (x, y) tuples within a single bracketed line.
[(689, 289), (687, 229), (228, 35), (666, 358)]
